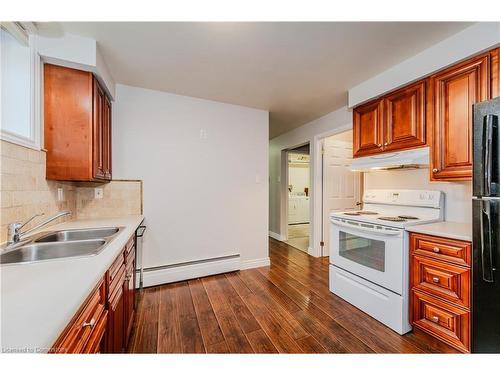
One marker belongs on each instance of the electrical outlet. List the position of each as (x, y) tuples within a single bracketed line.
[(60, 194), (98, 193)]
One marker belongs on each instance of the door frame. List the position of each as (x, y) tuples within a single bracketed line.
[(316, 200), (284, 196)]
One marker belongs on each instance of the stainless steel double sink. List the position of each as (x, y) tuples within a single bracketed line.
[(60, 244)]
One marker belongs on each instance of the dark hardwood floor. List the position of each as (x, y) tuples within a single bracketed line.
[(284, 308)]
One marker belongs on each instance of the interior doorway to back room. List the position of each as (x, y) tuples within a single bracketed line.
[(341, 188), (298, 197)]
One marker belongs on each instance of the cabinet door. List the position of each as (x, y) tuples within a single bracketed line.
[(495, 72), (116, 324), (129, 290), (106, 139), (404, 125), (452, 94), (368, 129), (98, 132)]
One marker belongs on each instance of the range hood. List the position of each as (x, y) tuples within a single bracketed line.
[(416, 158)]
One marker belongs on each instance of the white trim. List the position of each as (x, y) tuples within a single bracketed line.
[(317, 185), (34, 141), (276, 236), (190, 271), (255, 263)]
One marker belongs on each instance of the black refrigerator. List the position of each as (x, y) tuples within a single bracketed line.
[(486, 228)]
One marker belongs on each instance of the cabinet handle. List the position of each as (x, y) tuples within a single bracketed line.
[(436, 249), (435, 319), (127, 278), (386, 143), (89, 324), (435, 170), (435, 279), (379, 145)]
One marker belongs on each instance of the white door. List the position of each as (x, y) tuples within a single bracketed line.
[(341, 187)]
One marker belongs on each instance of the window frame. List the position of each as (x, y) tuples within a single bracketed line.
[(35, 123)]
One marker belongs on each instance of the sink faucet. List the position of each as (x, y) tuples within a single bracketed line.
[(14, 234)]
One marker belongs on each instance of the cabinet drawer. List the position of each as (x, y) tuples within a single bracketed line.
[(445, 249), (116, 282), (441, 279), (81, 328), (442, 320), (130, 246), (95, 343)]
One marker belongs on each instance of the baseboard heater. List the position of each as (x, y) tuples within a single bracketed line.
[(189, 270)]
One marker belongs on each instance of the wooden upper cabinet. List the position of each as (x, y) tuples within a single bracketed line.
[(367, 129), (77, 126), (451, 96), (495, 72), (394, 122), (404, 122)]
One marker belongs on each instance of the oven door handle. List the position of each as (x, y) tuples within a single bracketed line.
[(395, 232)]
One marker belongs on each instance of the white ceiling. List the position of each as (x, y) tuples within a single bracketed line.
[(297, 71)]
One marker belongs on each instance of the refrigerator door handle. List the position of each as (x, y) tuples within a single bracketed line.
[(486, 243), (487, 155)]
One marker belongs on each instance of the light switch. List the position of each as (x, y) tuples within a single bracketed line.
[(98, 193), (60, 194), (203, 134), (258, 180)]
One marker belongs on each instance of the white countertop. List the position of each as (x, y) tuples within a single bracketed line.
[(38, 300), (448, 229)]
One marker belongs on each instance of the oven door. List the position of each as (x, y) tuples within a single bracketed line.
[(372, 252)]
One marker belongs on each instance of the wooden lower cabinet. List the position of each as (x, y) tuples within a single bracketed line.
[(116, 331), (104, 322), (440, 288)]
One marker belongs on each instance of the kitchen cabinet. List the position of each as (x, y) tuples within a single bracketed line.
[(495, 73), (77, 126), (104, 322), (298, 210), (452, 93), (86, 333), (129, 288), (368, 129), (404, 123), (440, 288), (393, 122)]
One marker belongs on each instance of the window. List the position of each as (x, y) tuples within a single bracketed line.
[(19, 87)]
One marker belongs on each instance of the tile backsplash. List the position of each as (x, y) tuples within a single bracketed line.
[(24, 191)]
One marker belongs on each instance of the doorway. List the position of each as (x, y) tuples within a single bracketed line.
[(341, 188), (299, 187)]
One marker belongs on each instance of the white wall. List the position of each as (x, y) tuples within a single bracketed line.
[(474, 39), (333, 122), (76, 52), (204, 167), (458, 195)]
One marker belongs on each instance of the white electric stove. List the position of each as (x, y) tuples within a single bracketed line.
[(369, 252)]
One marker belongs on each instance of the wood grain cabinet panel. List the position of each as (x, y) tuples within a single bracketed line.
[(77, 126), (495, 72), (85, 331), (452, 93), (443, 249), (368, 129), (444, 280), (445, 321), (404, 125), (440, 284)]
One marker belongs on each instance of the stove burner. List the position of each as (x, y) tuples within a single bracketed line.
[(392, 218), (357, 213), (408, 217)]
